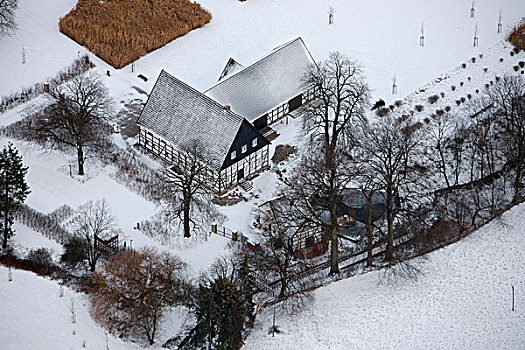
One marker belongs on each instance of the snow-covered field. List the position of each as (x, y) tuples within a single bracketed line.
[(383, 35), (33, 316), (463, 301), (463, 297)]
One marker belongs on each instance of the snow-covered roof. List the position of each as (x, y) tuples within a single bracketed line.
[(231, 67), (267, 83), (179, 113)]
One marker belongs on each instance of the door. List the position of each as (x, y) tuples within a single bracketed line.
[(240, 174), (295, 102), (261, 122)]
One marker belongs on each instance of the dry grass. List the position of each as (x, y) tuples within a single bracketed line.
[(121, 31), (517, 35)]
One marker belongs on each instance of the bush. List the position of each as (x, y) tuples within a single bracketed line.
[(517, 36), (463, 65), (473, 59), (119, 32), (398, 103), (447, 109), (40, 259), (419, 108), (442, 94), (381, 112), (282, 153), (453, 88), (433, 99), (501, 59), (74, 252), (521, 64)]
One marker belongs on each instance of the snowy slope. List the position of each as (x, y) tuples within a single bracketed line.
[(463, 301), (35, 317), (382, 34)]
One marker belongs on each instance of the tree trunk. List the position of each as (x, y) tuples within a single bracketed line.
[(334, 251), (517, 182), (80, 159), (92, 266), (186, 218), (370, 232), (6, 213), (390, 224)]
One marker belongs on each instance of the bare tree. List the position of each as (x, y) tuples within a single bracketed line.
[(508, 99), (276, 258), (185, 188), (447, 138), (77, 116), (342, 98), (391, 147), (94, 220), (135, 289), (7, 16)]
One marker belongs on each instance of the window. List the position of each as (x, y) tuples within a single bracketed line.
[(254, 142), (310, 241), (244, 148), (233, 155)]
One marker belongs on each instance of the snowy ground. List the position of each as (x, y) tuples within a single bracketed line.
[(465, 306), (463, 301), (383, 35), (31, 306)]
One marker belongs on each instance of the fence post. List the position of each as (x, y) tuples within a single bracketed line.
[(234, 235), (214, 228)]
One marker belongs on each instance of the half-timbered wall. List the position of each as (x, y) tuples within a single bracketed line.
[(280, 111), (251, 165)]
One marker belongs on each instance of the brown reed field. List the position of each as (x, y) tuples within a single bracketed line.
[(517, 35), (121, 31)]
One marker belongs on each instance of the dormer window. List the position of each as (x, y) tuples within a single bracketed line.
[(233, 155), (254, 142), (244, 148)]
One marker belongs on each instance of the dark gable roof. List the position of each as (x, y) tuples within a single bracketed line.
[(231, 67), (264, 85), (179, 113), (247, 132)]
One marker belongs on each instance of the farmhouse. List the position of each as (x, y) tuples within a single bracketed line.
[(176, 114), (229, 118), (267, 90)]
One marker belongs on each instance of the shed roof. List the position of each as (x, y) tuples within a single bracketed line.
[(267, 83), (179, 113)]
